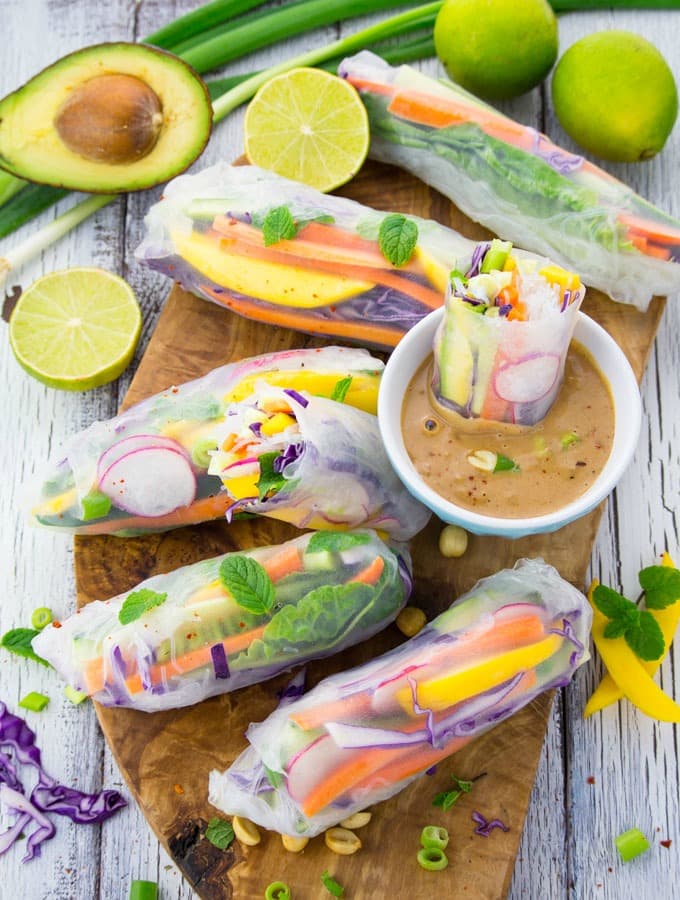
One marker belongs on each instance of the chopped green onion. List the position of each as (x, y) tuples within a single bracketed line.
[(200, 452), (505, 464), (277, 890), (76, 697), (95, 505), (41, 617), (143, 890), (432, 858), (631, 844), (34, 701), (568, 439), (331, 885), (434, 836)]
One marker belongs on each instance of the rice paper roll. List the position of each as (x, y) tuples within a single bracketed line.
[(361, 736), (228, 622), (147, 468), (313, 462), (517, 182), (500, 351), (282, 253)]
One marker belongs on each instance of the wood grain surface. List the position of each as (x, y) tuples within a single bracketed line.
[(166, 757), (595, 778)]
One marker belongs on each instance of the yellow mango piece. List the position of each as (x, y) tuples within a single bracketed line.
[(208, 592), (557, 275), (362, 393), (275, 283), (510, 263), (436, 272), (278, 422), (440, 693), (56, 505), (242, 486)]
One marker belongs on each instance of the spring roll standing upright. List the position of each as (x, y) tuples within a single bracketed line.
[(147, 468), (516, 182), (228, 622), (361, 736), (500, 351)]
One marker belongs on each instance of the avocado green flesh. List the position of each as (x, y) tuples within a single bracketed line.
[(31, 148)]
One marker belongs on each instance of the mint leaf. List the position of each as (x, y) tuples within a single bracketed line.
[(610, 602), (646, 638), (335, 541), (616, 628), (340, 389), (278, 225), (397, 238), (661, 585), (220, 833), (248, 583), (446, 799), (270, 482), (276, 779), (137, 603), (18, 641), (331, 885)]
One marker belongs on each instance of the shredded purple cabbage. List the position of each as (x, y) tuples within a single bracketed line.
[(295, 688), (47, 795), (567, 631), (486, 826), (294, 395), (256, 428), (219, 661), (560, 160), (289, 455), (478, 255)]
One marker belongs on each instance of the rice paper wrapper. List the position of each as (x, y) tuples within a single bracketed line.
[(330, 278), (516, 182), (504, 370), (168, 484), (361, 736), (329, 591), (341, 476)]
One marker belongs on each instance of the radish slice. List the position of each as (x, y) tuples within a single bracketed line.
[(529, 379), (135, 442), (151, 481)]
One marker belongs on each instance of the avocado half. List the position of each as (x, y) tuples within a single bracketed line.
[(108, 118)]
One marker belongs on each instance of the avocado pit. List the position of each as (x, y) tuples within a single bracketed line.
[(114, 118)]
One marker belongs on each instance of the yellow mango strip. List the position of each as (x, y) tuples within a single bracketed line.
[(56, 505), (608, 691), (440, 693), (629, 672), (362, 393)]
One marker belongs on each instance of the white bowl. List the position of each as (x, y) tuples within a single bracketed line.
[(412, 350)]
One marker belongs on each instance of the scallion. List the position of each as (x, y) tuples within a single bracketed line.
[(432, 858), (631, 844), (277, 890), (143, 890), (34, 702), (199, 21), (74, 696), (41, 617), (434, 836)]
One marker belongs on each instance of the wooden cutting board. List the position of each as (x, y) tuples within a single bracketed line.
[(166, 757)]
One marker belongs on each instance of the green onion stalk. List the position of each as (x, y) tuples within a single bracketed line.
[(414, 20)]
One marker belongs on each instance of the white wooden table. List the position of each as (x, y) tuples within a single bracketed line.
[(567, 848)]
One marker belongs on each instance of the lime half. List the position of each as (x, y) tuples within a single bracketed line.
[(76, 329), (308, 125)]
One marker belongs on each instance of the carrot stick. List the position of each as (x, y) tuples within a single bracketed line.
[(285, 562), (387, 276), (657, 231), (285, 317), (203, 510), (371, 573)]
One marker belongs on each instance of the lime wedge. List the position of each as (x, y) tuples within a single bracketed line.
[(308, 125), (76, 329)]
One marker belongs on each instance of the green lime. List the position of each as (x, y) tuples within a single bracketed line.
[(76, 329), (496, 48), (308, 125), (615, 95)]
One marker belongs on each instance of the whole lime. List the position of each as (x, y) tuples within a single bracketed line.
[(615, 95), (496, 48)]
